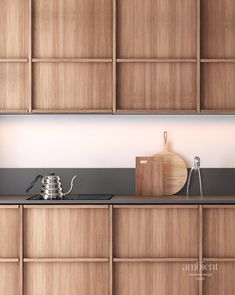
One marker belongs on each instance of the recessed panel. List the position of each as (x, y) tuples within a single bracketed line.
[(218, 28), (219, 233), (72, 28), (168, 278), (14, 28), (148, 233), (9, 278), (219, 278), (14, 86), (9, 233), (218, 87), (66, 233), (156, 29), (72, 86), (156, 86), (66, 279)]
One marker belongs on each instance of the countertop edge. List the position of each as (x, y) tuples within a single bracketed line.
[(125, 200)]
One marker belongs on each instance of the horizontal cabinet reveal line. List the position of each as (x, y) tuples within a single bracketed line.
[(155, 259), (157, 60), (66, 260), (71, 60)]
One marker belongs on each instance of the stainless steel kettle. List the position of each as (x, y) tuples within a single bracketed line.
[(51, 187)]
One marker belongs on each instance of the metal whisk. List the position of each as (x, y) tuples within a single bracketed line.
[(196, 168)]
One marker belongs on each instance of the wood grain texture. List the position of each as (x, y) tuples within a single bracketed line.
[(66, 233), (9, 279), (14, 92), (66, 279), (156, 86), (149, 176), (70, 86), (155, 233), (163, 174), (14, 33), (220, 281), (155, 28), (153, 279), (218, 28), (9, 233), (218, 87), (72, 28), (219, 233)]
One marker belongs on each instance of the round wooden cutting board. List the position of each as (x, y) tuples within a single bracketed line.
[(174, 170), (164, 173)]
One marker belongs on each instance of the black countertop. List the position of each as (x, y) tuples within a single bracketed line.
[(123, 200)]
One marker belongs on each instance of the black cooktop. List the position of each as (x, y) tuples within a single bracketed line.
[(77, 197)]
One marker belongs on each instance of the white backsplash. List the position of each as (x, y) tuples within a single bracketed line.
[(106, 141)]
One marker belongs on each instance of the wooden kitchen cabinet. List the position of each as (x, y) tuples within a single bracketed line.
[(66, 278), (218, 249), (10, 250), (72, 87), (153, 278), (117, 249), (66, 250), (155, 232), (66, 232), (72, 56), (109, 56), (14, 54)]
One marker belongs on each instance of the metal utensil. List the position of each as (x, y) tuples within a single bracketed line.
[(196, 168), (51, 187)]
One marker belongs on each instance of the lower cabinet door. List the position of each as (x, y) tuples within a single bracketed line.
[(155, 278), (9, 278), (219, 278), (66, 278)]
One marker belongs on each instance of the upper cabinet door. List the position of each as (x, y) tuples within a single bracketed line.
[(14, 28), (72, 29), (157, 29)]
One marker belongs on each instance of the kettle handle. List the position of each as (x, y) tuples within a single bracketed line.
[(33, 182), (71, 186)]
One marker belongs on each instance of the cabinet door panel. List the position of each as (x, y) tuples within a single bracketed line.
[(156, 233), (72, 28), (65, 233), (14, 28), (14, 90), (72, 86), (9, 279), (218, 28), (66, 279), (219, 233), (9, 233), (218, 86), (156, 86), (219, 279), (156, 29), (154, 279)]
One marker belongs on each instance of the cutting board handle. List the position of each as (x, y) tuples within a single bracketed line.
[(165, 141)]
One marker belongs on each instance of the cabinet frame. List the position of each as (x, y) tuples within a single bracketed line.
[(202, 60), (111, 261)]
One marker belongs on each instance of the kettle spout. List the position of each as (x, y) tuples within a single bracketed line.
[(71, 186)]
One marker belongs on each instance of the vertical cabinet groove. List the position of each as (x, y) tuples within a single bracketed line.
[(30, 44), (110, 250), (198, 56)]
